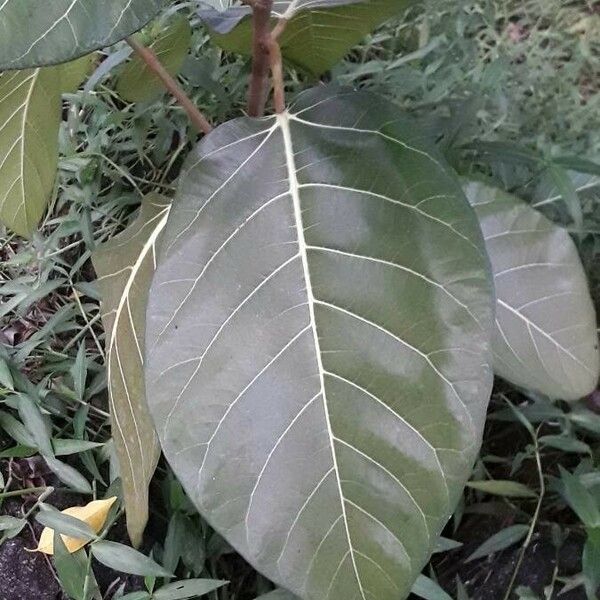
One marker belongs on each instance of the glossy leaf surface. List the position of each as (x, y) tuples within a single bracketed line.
[(317, 343), (41, 32), (125, 266), (318, 34), (545, 335)]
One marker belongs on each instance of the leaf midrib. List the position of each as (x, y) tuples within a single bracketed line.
[(283, 121), (123, 300)]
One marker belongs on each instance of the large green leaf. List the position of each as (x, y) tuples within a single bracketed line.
[(43, 32), (125, 265), (318, 34), (29, 123), (545, 335), (136, 82), (30, 116), (317, 343)]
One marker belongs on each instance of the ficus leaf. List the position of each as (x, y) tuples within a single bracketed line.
[(29, 123), (93, 515), (30, 114), (545, 336), (318, 32), (136, 83), (35, 33), (125, 265), (317, 343)]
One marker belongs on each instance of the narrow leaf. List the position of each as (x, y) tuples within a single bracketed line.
[(427, 588), (68, 475), (35, 423), (320, 275), (591, 563), (64, 523), (33, 35), (580, 499), (71, 569), (136, 82), (498, 487), (545, 336), (16, 430), (189, 588), (65, 447), (500, 541), (127, 560), (125, 266)]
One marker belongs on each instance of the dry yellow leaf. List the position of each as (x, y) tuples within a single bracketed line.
[(94, 514)]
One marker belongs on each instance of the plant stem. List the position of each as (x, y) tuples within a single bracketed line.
[(149, 57), (277, 73), (261, 51), (24, 492)]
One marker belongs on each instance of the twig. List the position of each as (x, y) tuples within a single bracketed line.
[(24, 492), (277, 73), (261, 50), (151, 60)]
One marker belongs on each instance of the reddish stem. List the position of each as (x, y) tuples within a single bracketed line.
[(199, 121), (261, 50)]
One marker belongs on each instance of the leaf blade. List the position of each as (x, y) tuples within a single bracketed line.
[(286, 284), (66, 29), (342, 23), (125, 266), (30, 119), (545, 335), (127, 560)]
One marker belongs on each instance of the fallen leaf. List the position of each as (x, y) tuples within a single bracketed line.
[(94, 514)]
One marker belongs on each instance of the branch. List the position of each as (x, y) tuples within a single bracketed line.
[(149, 57), (261, 49), (277, 74)]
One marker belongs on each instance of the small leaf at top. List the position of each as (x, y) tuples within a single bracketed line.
[(318, 32), (34, 33), (93, 514)]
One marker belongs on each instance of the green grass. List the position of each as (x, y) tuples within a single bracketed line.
[(521, 71)]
